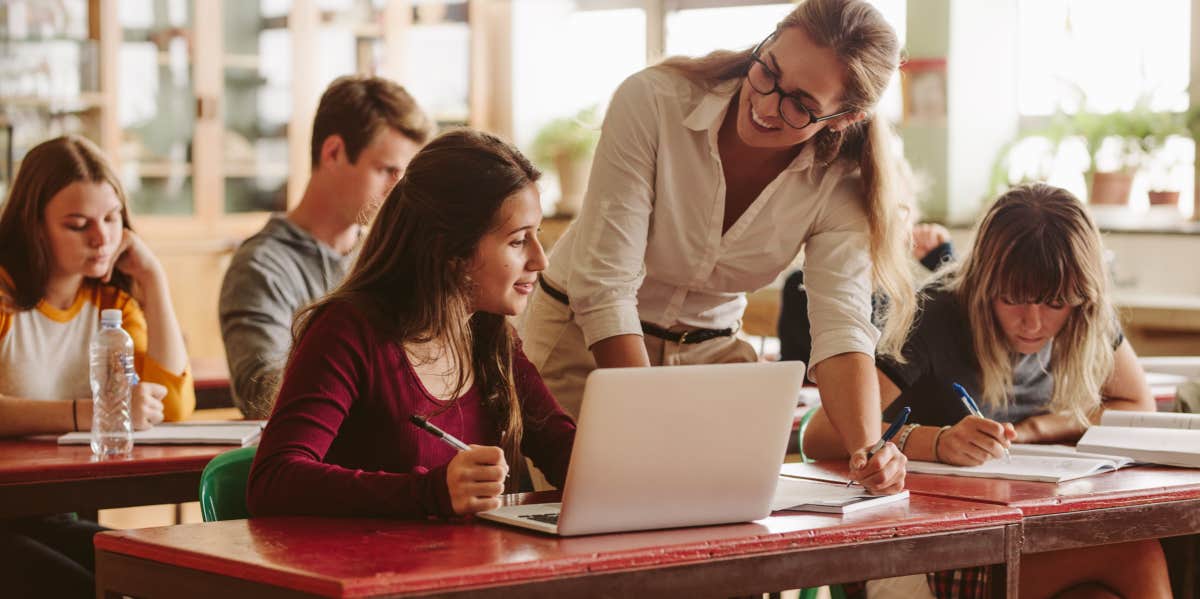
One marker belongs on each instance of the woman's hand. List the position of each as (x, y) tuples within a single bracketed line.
[(883, 473), (146, 405), (476, 479), (974, 440), (135, 259)]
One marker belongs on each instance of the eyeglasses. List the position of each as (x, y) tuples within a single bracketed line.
[(766, 82)]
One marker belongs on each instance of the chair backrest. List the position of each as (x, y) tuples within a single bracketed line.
[(804, 420), (223, 485)]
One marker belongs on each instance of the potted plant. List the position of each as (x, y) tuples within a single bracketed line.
[(566, 145)]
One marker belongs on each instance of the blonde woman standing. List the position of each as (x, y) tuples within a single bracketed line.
[(1025, 325), (711, 175)]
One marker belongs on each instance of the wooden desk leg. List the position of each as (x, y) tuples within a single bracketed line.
[(1010, 571)]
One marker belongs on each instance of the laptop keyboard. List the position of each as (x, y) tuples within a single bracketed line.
[(544, 518)]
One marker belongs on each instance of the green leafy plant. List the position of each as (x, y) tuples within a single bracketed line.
[(570, 138)]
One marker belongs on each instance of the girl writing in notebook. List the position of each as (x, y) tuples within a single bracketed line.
[(1025, 325), (712, 174), (419, 328), (67, 251)]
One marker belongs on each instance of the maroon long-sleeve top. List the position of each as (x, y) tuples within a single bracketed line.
[(340, 441)]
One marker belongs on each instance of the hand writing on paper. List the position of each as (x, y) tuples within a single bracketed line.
[(476, 479), (883, 473), (974, 440)]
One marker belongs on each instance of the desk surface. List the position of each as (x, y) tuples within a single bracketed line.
[(360, 557), (1126, 487), (38, 476)]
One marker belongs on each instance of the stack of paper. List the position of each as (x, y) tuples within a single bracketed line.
[(1154, 437), (232, 432), (794, 494)]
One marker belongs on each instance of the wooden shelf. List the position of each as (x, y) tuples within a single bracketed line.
[(82, 102), (159, 169), (251, 170)]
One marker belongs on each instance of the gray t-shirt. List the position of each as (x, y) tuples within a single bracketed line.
[(940, 352), (275, 273)]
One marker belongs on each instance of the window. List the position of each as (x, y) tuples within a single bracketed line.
[(1105, 56)]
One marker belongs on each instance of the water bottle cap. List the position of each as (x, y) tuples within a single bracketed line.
[(110, 316)]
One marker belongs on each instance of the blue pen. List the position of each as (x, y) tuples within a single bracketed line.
[(891, 431), (973, 409)]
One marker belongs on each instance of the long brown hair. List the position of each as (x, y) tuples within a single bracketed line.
[(870, 52), (1037, 244), (47, 169), (411, 278)]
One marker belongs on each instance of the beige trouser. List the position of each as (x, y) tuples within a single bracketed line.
[(555, 345)]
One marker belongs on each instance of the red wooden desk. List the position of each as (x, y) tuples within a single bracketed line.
[(42, 477), (1144, 502), (344, 557)]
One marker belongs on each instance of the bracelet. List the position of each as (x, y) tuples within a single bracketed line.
[(936, 438), (75, 413), (903, 439)]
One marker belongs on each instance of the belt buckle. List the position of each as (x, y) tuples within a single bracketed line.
[(683, 336)]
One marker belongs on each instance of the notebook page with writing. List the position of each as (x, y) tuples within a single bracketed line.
[(1022, 467)]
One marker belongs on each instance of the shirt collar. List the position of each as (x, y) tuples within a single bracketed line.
[(710, 112)]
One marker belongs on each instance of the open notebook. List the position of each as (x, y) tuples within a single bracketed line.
[(1044, 463), (794, 494), (232, 432), (1154, 437)]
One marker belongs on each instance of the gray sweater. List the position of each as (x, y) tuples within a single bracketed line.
[(275, 273)]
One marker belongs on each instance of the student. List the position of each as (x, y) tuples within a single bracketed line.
[(365, 132), (931, 247), (710, 176), (1026, 310), (67, 251), (419, 328)]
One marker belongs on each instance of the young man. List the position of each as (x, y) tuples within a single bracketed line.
[(365, 132)]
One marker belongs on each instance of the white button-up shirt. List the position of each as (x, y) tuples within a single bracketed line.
[(648, 243)]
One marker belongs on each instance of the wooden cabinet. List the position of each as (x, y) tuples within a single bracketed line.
[(205, 107)]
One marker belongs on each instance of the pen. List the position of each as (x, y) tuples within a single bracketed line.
[(891, 431), (973, 409), (432, 429)]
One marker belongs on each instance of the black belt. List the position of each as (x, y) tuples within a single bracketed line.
[(649, 328)]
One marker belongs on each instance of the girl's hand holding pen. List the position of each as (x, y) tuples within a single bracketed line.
[(475, 478), (974, 440)]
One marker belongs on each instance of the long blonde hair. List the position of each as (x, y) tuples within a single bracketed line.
[(870, 52), (1037, 244)]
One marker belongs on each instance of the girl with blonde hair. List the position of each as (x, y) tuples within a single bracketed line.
[(711, 176), (1026, 326)]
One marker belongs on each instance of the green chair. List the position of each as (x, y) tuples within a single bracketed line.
[(223, 485), (800, 433)]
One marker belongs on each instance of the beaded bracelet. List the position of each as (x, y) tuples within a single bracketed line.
[(936, 438), (903, 439)]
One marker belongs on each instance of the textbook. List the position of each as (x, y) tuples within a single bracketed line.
[(1154, 437), (232, 432), (1042, 463), (793, 494)]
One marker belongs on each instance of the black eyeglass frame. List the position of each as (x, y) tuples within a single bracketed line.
[(812, 118)]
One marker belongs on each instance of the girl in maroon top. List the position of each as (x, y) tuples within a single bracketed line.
[(419, 327)]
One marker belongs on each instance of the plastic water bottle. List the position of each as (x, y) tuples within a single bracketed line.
[(111, 367)]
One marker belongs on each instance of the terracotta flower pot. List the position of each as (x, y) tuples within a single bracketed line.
[(572, 182), (1110, 188), (1164, 198)]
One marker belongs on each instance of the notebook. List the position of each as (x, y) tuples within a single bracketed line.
[(1042, 463), (793, 494), (671, 446), (233, 432), (1153, 437)]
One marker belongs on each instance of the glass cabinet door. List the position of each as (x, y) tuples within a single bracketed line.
[(257, 107), (49, 77), (157, 105)]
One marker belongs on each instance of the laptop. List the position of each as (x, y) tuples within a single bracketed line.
[(673, 446)]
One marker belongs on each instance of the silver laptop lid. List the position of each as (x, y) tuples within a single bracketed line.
[(678, 446)]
